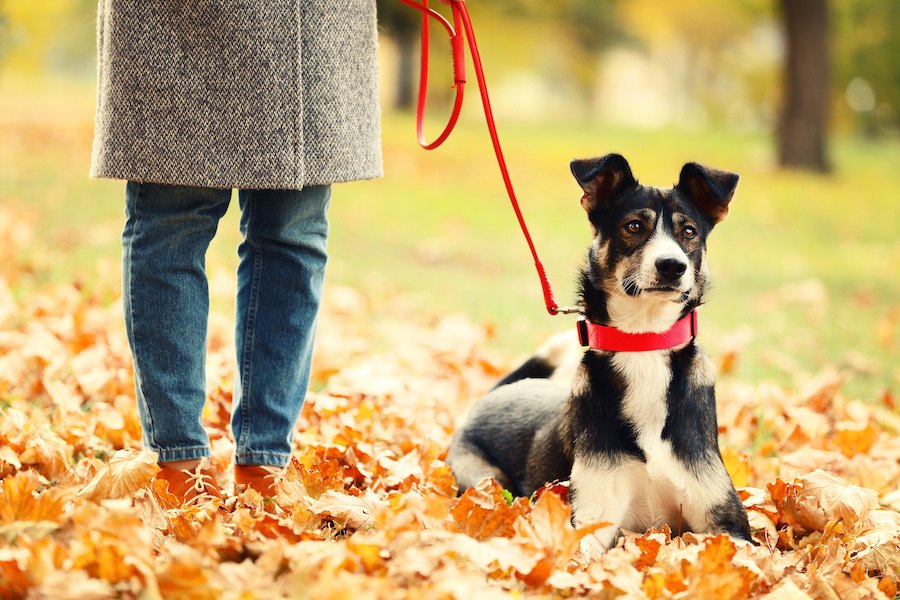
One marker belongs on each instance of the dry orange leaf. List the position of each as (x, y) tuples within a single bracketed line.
[(126, 472), (482, 511), (184, 577), (654, 585), (718, 577), (817, 499), (649, 550), (20, 500), (888, 586), (738, 467), (548, 532), (349, 511), (851, 440), (372, 556)]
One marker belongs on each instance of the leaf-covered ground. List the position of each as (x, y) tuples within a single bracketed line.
[(368, 508)]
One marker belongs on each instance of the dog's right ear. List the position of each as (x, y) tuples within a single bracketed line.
[(602, 179), (709, 189)]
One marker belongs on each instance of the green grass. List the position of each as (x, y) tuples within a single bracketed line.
[(805, 268)]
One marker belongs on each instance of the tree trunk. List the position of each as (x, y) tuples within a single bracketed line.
[(406, 66), (804, 119)]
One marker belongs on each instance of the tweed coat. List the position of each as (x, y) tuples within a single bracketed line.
[(237, 93)]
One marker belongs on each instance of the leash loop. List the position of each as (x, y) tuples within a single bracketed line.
[(462, 33)]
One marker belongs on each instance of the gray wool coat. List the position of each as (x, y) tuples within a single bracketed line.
[(237, 93)]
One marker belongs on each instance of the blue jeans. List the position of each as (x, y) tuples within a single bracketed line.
[(166, 298)]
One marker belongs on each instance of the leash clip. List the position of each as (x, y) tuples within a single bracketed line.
[(566, 310)]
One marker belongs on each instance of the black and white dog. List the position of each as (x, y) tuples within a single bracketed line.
[(636, 431)]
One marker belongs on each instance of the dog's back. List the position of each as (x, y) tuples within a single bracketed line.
[(513, 435), (556, 360)]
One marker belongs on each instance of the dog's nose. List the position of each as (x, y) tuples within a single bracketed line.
[(670, 267)]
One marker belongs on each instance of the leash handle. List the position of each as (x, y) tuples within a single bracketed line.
[(463, 24), (457, 49)]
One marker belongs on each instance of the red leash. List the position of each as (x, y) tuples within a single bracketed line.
[(461, 32)]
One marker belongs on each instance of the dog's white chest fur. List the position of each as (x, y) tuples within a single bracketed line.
[(630, 493), (659, 486), (647, 376)]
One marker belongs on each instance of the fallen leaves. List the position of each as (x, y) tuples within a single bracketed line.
[(125, 473), (355, 512), (368, 506), (21, 502), (547, 533), (483, 512)]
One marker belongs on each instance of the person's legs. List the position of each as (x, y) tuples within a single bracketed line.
[(280, 276), (166, 301)]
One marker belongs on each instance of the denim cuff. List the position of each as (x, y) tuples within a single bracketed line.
[(176, 454), (271, 459)]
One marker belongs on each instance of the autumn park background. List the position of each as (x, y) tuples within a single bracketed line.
[(431, 295)]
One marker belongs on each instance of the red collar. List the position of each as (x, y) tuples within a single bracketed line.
[(602, 337)]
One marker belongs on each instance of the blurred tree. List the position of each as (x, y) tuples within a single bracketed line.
[(802, 128), (403, 25), (867, 59), (587, 27)]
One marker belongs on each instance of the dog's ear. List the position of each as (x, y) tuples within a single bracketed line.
[(709, 189), (602, 179)]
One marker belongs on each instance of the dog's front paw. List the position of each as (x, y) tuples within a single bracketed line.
[(598, 542)]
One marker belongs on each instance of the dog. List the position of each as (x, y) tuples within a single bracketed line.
[(635, 432)]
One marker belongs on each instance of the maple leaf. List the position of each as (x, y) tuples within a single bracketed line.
[(738, 467), (877, 549), (820, 497), (717, 577), (20, 500), (184, 576), (788, 590), (649, 551), (73, 585), (9, 459), (15, 579), (321, 468), (852, 439), (482, 511), (403, 473), (126, 472), (888, 586), (548, 532), (349, 511), (373, 557), (46, 451)]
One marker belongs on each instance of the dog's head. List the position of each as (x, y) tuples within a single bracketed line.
[(647, 264)]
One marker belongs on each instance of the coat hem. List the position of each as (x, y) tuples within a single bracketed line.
[(232, 184)]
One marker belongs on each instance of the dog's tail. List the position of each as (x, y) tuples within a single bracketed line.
[(555, 359)]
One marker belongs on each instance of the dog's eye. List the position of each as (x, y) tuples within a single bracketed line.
[(689, 232), (634, 227)]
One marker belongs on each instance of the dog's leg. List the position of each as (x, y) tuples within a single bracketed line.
[(711, 502), (603, 491), (470, 468)]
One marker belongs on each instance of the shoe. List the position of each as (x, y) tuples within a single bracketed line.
[(188, 487), (261, 478)]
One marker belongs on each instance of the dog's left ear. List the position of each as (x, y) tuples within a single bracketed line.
[(602, 179), (709, 189)]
